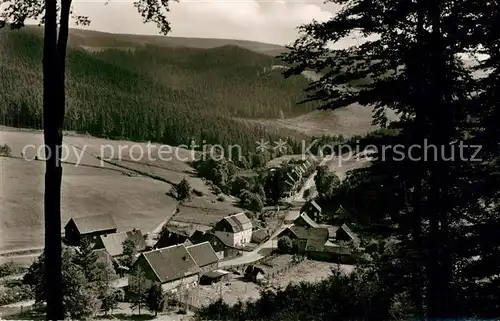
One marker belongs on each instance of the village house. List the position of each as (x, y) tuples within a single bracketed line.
[(171, 235), (328, 252), (113, 243), (305, 221), (312, 209), (172, 266), (221, 249), (300, 235), (344, 233), (89, 227), (204, 256), (234, 230)]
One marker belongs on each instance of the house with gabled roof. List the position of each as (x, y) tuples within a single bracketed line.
[(344, 233), (305, 221), (113, 243), (234, 230), (173, 267), (222, 249), (312, 209), (301, 235), (89, 227), (171, 235), (204, 256)]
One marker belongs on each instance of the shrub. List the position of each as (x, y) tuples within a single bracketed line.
[(10, 268), (216, 189), (285, 244), (307, 193), (221, 198), (16, 294), (251, 201), (5, 150), (181, 191)]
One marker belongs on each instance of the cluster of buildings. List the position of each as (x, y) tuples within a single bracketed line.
[(296, 175), (180, 258), (183, 257)]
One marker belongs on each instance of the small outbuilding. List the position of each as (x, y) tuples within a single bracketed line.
[(214, 277)]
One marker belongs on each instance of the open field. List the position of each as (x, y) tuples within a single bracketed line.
[(307, 271), (237, 288), (345, 121), (204, 212), (135, 201), (229, 291)]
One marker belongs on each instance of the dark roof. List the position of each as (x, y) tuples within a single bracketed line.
[(309, 221), (216, 243), (239, 222), (113, 243), (184, 231), (203, 254), (95, 223), (260, 235), (171, 263), (349, 232)]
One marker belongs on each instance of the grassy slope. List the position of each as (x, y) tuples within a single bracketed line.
[(89, 189)]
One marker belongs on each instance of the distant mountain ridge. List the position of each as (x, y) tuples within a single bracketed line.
[(99, 39)]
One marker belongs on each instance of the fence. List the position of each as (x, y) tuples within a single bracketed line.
[(283, 268)]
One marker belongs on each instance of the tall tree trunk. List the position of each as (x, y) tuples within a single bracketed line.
[(442, 131), (54, 65), (53, 170)]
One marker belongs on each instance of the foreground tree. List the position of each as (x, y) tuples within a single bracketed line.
[(411, 63), (138, 287), (110, 301), (129, 252), (79, 298), (340, 297), (15, 13), (155, 299), (87, 259)]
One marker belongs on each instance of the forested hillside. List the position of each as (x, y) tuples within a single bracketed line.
[(162, 94)]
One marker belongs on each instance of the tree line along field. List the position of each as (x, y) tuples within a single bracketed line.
[(163, 94)]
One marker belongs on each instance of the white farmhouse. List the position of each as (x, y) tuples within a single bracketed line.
[(234, 230)]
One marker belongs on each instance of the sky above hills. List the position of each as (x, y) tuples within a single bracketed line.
[(257, 20)]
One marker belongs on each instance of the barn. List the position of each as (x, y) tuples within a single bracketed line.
[(88, 227)]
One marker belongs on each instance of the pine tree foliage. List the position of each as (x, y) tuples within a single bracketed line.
[(80, 294), (444, 206), (155, 298)]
